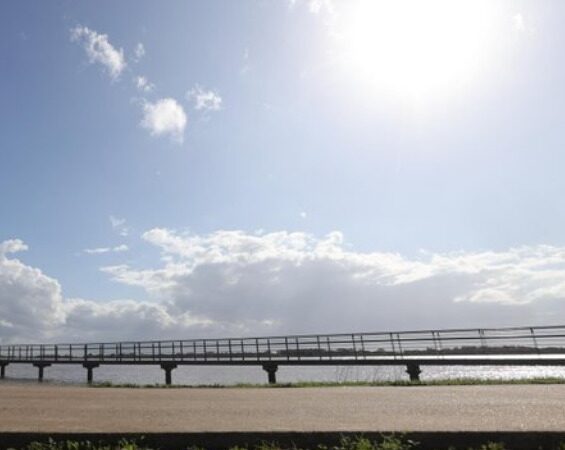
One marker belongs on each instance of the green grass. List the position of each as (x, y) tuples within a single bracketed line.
[(310, 384), (387, 442), (84, 445)]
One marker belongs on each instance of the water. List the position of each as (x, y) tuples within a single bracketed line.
[(227, 375)]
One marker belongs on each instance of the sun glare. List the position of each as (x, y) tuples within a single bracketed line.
[(415, 48)]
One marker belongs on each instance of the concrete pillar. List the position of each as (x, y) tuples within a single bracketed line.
[(271, 370), (3, 371), (168, 368), (40, 367), (89, 371), (413, 370)]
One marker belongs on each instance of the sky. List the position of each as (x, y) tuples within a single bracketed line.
[(209, 168)]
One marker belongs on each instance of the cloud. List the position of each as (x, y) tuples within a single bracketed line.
[(315, 6), (99, 50), (206, 100), (300, 283), (12, 246), (119, 225), (165, 117), (139, 52), (233, 282), (246, 66), (119, 319), (31, 303), (143, 84), (518, 20), (100, 250), (32, 308)]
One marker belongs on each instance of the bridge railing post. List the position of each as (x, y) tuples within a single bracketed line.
[(534, 339), (363, 346), (269, 348)]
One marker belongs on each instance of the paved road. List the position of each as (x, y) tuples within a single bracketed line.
[(48, 408)]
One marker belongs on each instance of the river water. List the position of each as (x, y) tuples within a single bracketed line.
[(227, 375)]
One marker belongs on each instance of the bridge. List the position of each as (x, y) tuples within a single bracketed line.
[(543, 345)]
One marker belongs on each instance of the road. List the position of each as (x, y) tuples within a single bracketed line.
[(51, 408)]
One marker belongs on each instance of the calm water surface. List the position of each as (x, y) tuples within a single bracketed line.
[(232, 374)]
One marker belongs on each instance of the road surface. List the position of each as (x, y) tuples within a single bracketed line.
[(51, 408)]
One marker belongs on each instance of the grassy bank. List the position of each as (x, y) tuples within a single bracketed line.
[(390, 442), (310, 384)]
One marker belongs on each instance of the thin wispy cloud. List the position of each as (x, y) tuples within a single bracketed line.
[(518, 21), (165, 117), (139, 52), (119, 225), (143, 84), (315, 6), (246, 67), (99, 50), (100, 250), (204, 99)]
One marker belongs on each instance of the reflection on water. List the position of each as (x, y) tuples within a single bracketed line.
[(226, 375)]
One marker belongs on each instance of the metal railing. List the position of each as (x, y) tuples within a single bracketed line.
[(516, 342)]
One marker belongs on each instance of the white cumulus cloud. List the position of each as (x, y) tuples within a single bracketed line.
[(99, 50), (32, 308), (165, 117), (12, 246), (301, 283), (31, 303), (234, 282)]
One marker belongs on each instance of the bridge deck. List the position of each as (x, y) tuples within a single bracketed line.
[(492, 346)]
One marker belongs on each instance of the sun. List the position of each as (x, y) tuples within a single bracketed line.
[(415, 48)]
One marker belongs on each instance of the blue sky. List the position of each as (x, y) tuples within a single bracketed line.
[(266, 117)]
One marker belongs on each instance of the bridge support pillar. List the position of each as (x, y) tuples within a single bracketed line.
[(271, 370), (168, 368), (90, 366), (40, 366), (3, 371), (414, 371)]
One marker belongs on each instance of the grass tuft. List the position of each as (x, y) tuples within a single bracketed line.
[(312, 384), (387, 442)]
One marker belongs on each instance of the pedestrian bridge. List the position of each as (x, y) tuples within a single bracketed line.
[(412, 349)]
